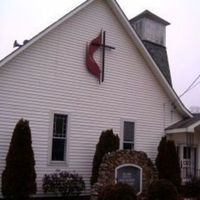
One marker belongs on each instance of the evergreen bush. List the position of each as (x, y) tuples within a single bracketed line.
[(107, 192), (119, 191), (162, 190), (167, 162), (19, 177), (191, 189), (63, 183), (108, 142)]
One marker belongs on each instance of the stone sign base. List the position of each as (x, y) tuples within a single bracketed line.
[(120, 158)]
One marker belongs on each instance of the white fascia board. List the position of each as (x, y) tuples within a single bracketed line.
[(125, 22), (44, 32), (177, 130)]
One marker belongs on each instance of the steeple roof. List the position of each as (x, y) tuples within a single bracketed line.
[(150, 15)]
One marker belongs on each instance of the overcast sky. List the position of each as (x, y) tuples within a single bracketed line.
[(22, 19)]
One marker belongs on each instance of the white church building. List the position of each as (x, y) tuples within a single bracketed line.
[(91, 71)]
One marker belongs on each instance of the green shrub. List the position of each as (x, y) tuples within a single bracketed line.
[(119, 191), (124, 191), (191, 189), (167, 162), (162, 190), (63, 183), (18, 178), (107, 193), (108, 142)]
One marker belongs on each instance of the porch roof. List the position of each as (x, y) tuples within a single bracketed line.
[(185, 125)]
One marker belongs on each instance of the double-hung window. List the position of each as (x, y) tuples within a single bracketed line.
[(59, 139), (128, 134)]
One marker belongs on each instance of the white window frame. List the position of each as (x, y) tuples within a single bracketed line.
[(66, 153), (122, 132), (131, 165)]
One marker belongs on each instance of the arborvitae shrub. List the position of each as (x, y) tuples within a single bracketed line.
[(167, 162), (119, 191), (108, 142), (162, 190), (18, 178)]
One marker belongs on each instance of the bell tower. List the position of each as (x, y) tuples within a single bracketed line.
[(152, 31)]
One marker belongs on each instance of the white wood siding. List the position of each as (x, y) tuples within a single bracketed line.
[(51, 75)]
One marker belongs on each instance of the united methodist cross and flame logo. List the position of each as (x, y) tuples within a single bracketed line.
[(91, 48)]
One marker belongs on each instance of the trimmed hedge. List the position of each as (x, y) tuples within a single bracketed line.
[(191, 189), (162, 190), (119, 191)]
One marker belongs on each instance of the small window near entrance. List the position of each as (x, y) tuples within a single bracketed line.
[(187, 152), (128, 133), (178, 150)]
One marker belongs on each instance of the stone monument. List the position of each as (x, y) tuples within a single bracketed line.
[(127, 166)]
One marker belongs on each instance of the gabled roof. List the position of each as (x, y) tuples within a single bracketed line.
[(44, 32), (185, 125), (136, 40)]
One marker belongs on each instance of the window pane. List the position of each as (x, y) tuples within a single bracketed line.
[(129, 131), (128, 146), (60, 125), (187, 153), (58, 149)]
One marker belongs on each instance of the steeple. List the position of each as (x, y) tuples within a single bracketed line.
[(152, 31)]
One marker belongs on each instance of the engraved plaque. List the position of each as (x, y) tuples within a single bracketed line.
[(131, 175)]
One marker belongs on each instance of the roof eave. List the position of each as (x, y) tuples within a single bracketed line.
[(188, 129), (175, 131), (44, 32)]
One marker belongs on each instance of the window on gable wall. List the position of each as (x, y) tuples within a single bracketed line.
[(128, 135), (59, 138)]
